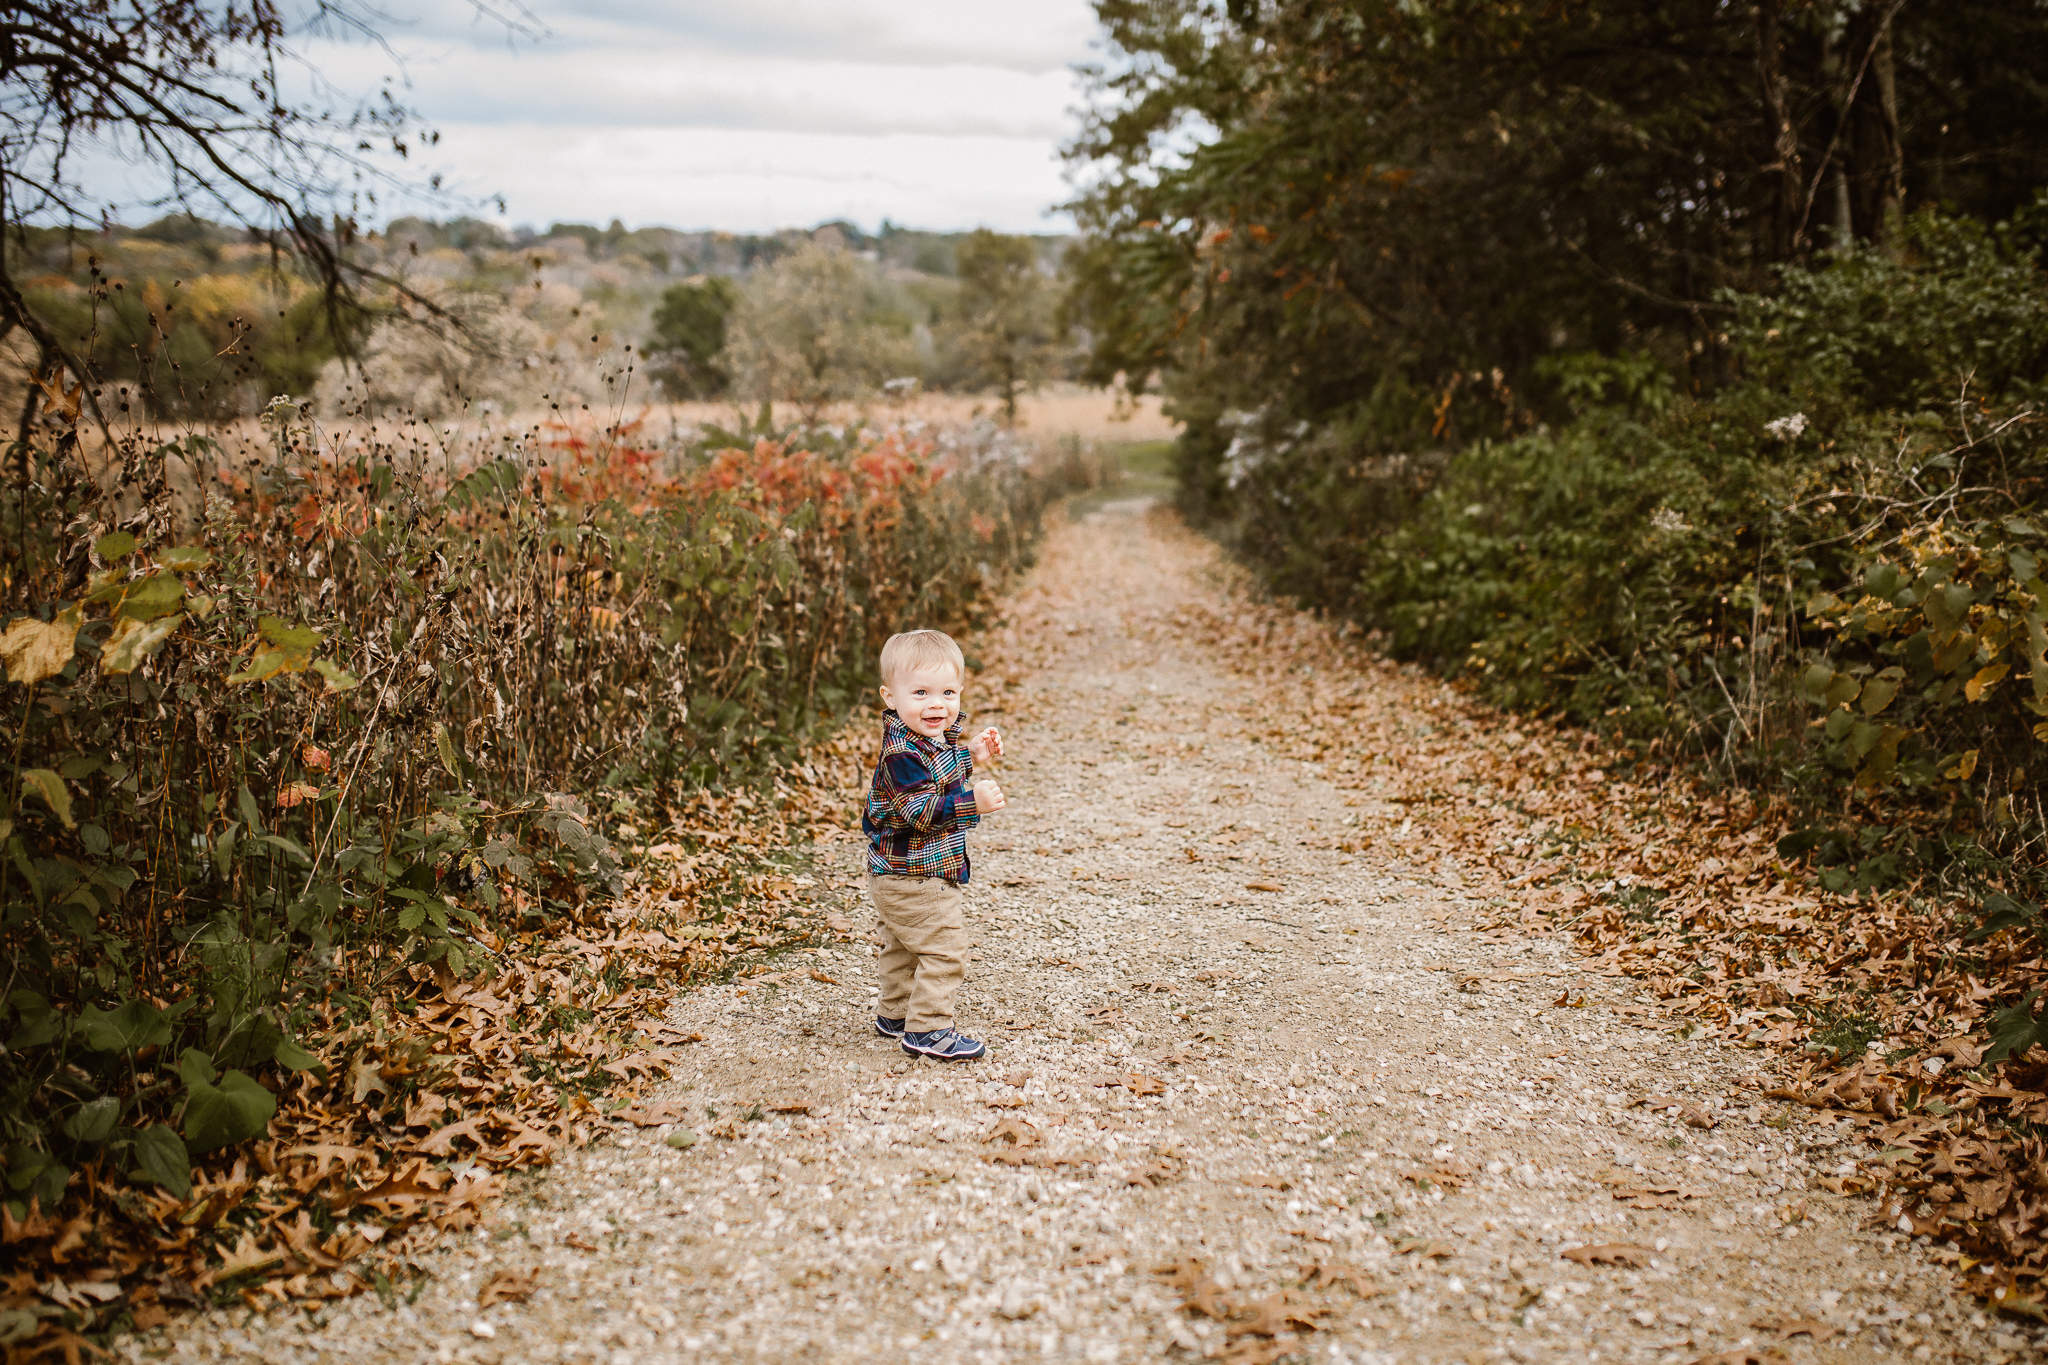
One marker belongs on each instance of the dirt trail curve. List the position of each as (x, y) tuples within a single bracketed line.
[(1350, 1127)]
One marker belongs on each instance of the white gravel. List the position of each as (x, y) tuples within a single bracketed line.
[(1314, 1040)]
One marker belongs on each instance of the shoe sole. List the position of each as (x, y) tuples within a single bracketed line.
[(881, 1032), (911, 1051)]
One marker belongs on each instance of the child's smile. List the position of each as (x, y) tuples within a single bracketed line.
[(926, 699)]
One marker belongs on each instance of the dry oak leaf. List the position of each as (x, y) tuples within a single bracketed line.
[(1143, 1085), (1268, 1182), (817, 975), (1198, 1291), (1149, 1174), (246, 1258), (1019, 1133), (1739, 1356), (1324, 1274), (1249, 1351), (1277, 1313), (1608, 1253), (1421, 1246), (1264, 886), (1792, 1327), (651, 1113), (1005, 1102), (507, 1286)]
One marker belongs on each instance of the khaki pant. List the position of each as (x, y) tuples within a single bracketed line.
[(924, 949)]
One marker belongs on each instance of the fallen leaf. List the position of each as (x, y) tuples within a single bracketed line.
[(1268, 1182), (1198, 1291), (507, 1286), (1325, 1274), (1792, 1327), (1264, 886), (652, 1113), (1149, 1174), (817, 975), (1608, 1253), (1015, 1131), (1421, 1246), (1277, 1313)]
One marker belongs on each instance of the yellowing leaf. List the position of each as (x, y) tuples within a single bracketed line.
[(1986, 679), (46, 784), (160, 594), (114, 545), (338, 678), (133, 641), (268, 664), (296, 643), (185, 558), (34, 650), (451, 758), (294, 793), (1965, 765)]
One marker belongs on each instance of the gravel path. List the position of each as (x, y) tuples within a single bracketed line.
[(1345, 1126)]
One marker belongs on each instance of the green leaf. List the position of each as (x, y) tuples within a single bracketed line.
[(288, 845), (245, 801), (196, 1067), (136, 1025), (132, 642), (1947, 607), (114, 545), (293, 1057), (1879, 691), (46, 784), (160, 1156), (39, 1023), (185, 558), (94, 1120), (2015, 1030), (411, 918), (224, 849), (237, 1109), (160, 594), (338, 678)]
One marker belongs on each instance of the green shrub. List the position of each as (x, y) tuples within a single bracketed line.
[(1823, 577)]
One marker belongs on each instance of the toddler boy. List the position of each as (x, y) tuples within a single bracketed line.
[(919, 810)]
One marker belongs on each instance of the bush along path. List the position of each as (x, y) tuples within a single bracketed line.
[(1283, 1067)]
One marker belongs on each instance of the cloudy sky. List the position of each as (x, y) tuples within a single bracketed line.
[(771, 113)]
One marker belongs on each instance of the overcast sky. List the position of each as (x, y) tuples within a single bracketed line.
[(941, 114)]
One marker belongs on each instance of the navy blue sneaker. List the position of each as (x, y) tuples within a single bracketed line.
[(888, 1028), (944, 1044)]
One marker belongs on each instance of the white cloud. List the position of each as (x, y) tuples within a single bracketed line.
[(746, 180), (936, 113)]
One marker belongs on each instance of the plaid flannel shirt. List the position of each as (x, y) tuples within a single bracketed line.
[(921, 805)]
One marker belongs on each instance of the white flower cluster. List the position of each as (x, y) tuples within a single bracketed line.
[(1787, 428)]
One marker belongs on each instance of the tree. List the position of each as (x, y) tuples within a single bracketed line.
[(806, 331), (199, 92), (1003, 323), (690, 333), (1382, 216)]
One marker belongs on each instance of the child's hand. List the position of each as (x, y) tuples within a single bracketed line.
[(986, 745), (988, 797)]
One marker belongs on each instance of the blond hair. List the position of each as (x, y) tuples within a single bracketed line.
[(921, 649)]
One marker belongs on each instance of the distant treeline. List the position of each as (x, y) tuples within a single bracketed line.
[(193, 319)]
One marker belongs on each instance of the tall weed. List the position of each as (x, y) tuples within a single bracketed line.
[(285, 734)]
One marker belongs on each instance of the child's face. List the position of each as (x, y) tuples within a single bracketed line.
[(926, 699)]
